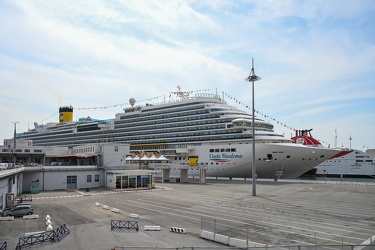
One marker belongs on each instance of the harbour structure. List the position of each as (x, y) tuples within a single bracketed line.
[(193, 133)]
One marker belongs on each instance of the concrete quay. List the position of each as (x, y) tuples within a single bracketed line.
[(283, 213)]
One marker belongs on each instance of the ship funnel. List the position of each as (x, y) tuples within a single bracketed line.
[(65, 114)]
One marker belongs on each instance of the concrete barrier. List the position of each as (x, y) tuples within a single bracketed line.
[(34, 233), (7, 218), (48, 222), (97, 204), (207, 235), (222, 239), (115, 210), (134, 216), (48, 217), (49, 228), (33, 216), (151, 228), (178, 230), (234, 242), (105, 207)]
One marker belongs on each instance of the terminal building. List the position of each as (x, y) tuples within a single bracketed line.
[(30, 169)]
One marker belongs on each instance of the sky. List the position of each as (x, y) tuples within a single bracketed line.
[(316, 60)]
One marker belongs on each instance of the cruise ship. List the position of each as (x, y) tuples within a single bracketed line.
[(192, 131)]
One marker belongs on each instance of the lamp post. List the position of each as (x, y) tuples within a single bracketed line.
[(253, 78)]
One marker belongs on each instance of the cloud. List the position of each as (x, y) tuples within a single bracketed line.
[(315, 58)]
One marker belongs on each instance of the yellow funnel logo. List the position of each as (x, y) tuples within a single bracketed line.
[(193, 161)]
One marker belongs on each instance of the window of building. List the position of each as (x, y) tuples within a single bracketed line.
[(89, 178), (96, 178)]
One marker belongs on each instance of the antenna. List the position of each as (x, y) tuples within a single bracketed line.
[(335, 139)]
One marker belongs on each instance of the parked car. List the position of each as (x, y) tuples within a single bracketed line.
[(18, 210), (3, 166), (20, 203)]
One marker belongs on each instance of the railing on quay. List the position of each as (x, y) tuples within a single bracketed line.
[(40, 238), (119, 224), (23, 198), (3, 246)]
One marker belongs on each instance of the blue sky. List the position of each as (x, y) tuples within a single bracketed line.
[(316, 59)]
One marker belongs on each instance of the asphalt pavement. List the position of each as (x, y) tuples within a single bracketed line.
[(281, 213)]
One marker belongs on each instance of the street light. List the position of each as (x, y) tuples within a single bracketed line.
[(253, 78)]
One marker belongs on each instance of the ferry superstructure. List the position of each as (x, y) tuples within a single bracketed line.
[(204, 127)]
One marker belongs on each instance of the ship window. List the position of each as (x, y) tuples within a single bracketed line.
[(269, 157), (322, 156), (288, 156), (216, 150), (116, 148), (222, 150), (227, 150), (212, 150), (233, 150)]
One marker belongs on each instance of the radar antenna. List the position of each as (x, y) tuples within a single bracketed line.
[(181, 94)]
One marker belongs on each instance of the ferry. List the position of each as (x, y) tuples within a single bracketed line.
[(347, 163), (191, 132)]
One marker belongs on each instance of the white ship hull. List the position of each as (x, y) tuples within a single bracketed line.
[(356, 163), (280, 160)]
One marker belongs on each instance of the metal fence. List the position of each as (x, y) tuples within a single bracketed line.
[(119, 224), (40, 238), (3, 246)]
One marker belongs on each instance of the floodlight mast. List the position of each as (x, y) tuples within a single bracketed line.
[(253, 78)]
